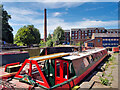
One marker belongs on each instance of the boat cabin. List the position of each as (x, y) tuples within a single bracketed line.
[(54, 70)]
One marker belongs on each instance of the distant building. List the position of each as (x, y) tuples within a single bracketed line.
[(67, 36), (84, 34), (103, 40)]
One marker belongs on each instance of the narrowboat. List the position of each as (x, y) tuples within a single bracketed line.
[(58, 70)]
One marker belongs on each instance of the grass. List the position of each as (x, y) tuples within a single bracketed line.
[(103, 74), (112, 67), (105, 81), (112, 78), (109, 75), (111, 58)]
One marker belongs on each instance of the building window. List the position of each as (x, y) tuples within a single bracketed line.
[(98, 40), (76, 34), (103, 31), (85, 34), (96, 31), (85, 31), (72, 37), (72, 34), (89, 34), (112, 39), (72, 31), (76, 37), (76, 31)]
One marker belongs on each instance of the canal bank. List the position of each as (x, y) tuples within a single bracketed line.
[(105, 77)]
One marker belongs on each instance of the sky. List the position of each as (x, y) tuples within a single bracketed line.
[(65, 14)]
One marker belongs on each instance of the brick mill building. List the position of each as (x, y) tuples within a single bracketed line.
[(67, 36), (84, 34), (103, 40)]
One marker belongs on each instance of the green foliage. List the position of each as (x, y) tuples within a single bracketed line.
[(27, 35), (58, 35), (6, 28), (105, 81), (103, 74), (49, 36), (79, 43), (42, 44), (49, 43), (111, 58)]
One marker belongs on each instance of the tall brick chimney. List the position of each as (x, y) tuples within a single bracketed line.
[(45, 25)]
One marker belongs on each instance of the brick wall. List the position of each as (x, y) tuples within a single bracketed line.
[(98, 43)]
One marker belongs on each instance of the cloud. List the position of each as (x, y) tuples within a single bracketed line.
[(59, 14), (90, 9), (19, 11), (55, 22), (56, 14), (22, 16)]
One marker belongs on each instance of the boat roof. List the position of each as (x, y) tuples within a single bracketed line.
[(77, 55), (67, 56), (50, 56)]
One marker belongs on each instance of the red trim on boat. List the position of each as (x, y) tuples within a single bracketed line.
[(11, 64)]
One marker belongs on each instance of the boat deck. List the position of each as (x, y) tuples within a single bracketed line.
[(5, 75)]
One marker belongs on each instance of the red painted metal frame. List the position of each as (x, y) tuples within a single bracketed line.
[(11, 64), (61, 79), (45, 51), (44, 83)]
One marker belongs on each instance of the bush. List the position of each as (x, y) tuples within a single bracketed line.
[(105, 81), (42, 44), (49, 43), (111, 58)]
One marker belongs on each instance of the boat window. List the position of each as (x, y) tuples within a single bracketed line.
[(86, 63), (88, 60), (92, 59), (35, 73), (101, 53), (65, 70), (58, 69)]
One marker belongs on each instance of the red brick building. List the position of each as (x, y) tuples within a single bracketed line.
[(67, 36), (103, 40), (84, 34)]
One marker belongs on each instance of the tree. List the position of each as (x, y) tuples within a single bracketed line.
[(58, 35), (49, 43), (27, 35), (7, 34), (49, 36)]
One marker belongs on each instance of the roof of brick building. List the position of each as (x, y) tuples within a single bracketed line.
[(106, 35)]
